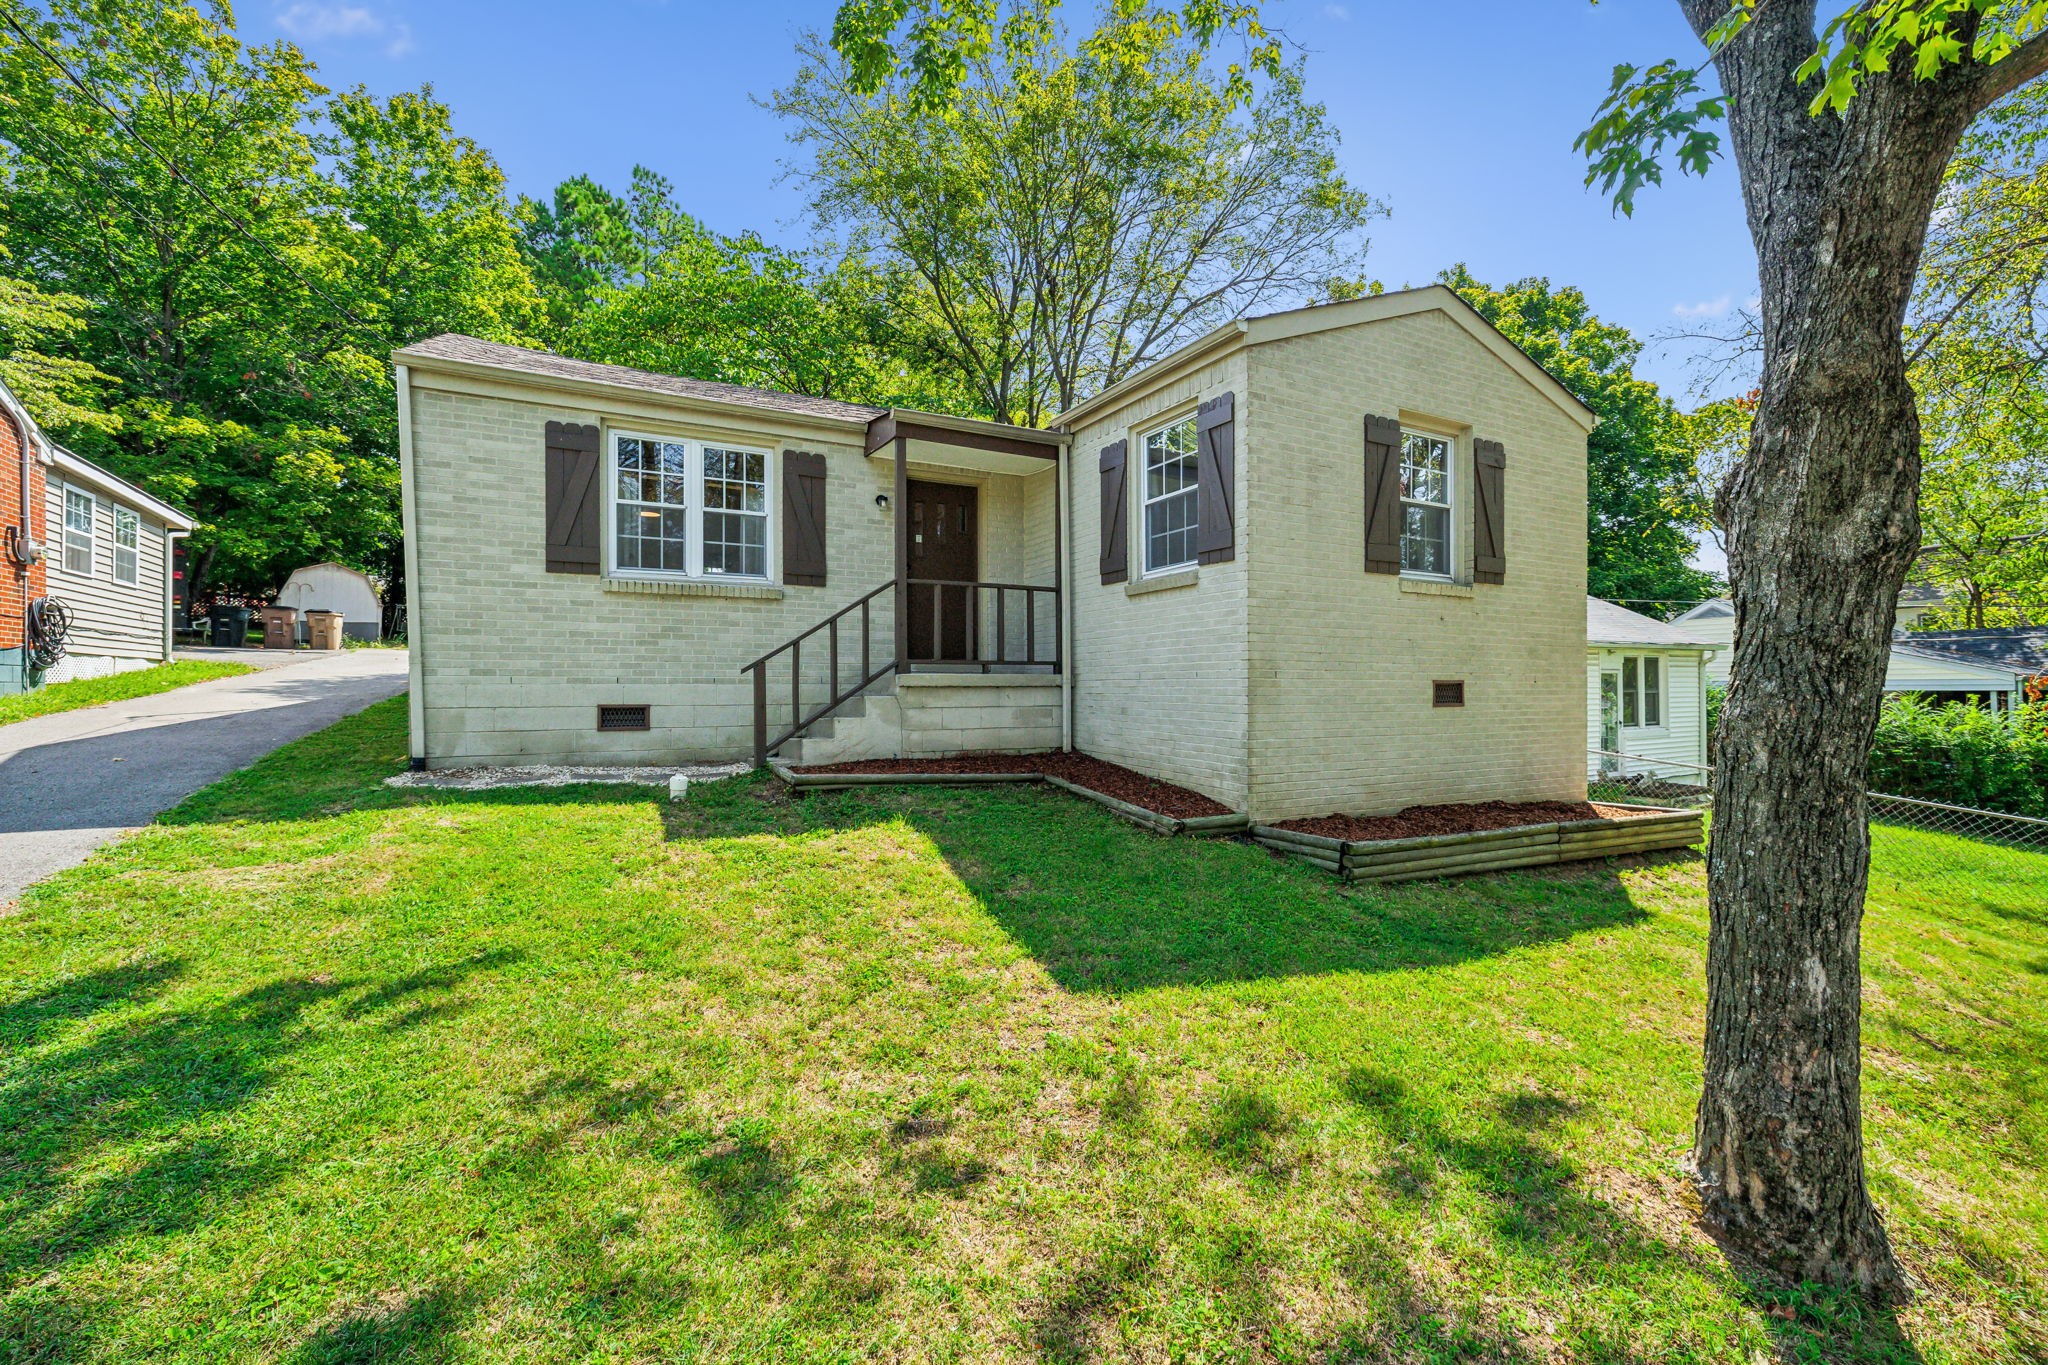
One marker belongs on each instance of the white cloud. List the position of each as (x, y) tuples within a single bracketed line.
[(312, 21), (1341, 13), (1706, 308)]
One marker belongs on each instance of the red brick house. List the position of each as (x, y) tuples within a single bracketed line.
[(24, 514)]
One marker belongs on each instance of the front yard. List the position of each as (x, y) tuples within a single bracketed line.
[(321, 1071)]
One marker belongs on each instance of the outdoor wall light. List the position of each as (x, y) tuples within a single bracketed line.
[(881, 499)]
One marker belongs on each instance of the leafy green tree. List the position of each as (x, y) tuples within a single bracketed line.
[(58, 390), (636, 280), (1841, 121), (586, 238), (1085, 204), (1980, 368), (1642, 489), (246, 252)]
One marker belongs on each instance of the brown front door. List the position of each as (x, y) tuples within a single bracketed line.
[(943, 545)]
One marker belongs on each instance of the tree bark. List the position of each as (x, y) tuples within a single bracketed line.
[(1822, 519)]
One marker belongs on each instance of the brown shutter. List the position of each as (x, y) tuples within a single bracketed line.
[(1490, 555), (803, 519), (1382, 495), (1116, 516), (572, 499), (1216, 465)]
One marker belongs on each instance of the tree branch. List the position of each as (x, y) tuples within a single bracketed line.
[(1994, 82)]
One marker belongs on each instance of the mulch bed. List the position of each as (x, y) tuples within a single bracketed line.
[(1162, 798), (1418, 822)]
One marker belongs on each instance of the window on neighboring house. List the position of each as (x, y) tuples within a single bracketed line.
[(1426, 492), (687, 509), (735, 512), (652, 510), (78, 531), (127, 546), (1170, 497), (1642, 692)]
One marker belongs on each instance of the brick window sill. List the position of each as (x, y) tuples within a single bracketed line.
[(1431, 587), (1183, 578)]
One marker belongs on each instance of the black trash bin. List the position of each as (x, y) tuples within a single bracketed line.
[(230, 627)]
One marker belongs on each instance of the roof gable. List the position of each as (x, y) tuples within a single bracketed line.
[(1325, 317)]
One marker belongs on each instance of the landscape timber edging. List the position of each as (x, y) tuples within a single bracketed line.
[(1655, 829), (1199, 825)]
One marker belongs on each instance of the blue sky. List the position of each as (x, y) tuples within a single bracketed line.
[(1459, 116)]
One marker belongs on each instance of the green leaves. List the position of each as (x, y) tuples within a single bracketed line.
[(1646, 112), (1658, 111), (242, 277), (932, 45), (1870, 39), (1642, 500)]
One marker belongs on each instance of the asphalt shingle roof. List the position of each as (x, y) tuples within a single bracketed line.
[(2019, 649), (1607, 624), (519, 359)]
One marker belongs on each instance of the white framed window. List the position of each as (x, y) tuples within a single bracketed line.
[(687, 509), (1170, 493), (1428, 491), (127, 546), (1642, 692), (79, 536), (735, 512)]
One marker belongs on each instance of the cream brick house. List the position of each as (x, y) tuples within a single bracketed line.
[(1330, 559)]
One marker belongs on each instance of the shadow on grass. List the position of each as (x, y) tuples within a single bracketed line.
[(413, 1327), (1110, 908), (122, 1134), (1541, 1208)]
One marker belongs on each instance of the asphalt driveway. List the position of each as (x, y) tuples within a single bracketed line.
[(72, 781)]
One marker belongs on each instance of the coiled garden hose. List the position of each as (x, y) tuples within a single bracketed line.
[(46, 626)]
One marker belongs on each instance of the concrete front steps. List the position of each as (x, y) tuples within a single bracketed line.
[(931, 715)]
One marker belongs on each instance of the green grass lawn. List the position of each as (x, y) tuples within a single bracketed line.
[(320, 1071), (141, 682)]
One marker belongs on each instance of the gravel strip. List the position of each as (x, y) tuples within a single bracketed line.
[(542, 775)]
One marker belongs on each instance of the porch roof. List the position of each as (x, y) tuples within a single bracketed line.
[(932, 438)]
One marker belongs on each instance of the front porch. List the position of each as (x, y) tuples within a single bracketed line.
[(963, 648)]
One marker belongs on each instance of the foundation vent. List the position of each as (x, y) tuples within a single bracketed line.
[(622, 718)]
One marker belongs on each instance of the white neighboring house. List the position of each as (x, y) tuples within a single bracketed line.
[(336, 587), (1646, 689), (1938, 665), (108, 561)]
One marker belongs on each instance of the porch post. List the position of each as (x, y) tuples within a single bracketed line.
[(901, 500), (1059, 582)]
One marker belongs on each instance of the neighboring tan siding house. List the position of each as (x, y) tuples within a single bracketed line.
[(108, 555), (1646, 693), (1330, 559)]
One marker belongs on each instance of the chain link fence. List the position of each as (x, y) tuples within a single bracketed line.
[(1921, 852)]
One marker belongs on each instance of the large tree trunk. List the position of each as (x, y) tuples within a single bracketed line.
[(1822, 524)]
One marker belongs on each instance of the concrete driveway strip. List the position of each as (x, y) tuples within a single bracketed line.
[(72, 781)]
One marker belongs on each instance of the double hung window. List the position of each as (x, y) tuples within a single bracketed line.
[(1171, 492), (688, 509)]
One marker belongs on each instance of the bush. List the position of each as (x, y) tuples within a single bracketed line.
[(1963, 755)]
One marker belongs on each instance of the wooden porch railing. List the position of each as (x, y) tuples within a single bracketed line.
[(838, 692), (975, 597)]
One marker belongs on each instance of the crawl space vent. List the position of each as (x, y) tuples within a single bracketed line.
[(622, 718), (1449, 693)]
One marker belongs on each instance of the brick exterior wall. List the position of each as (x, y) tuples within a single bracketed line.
[(512, 661), (17, 588), (1159, 677), (1342, 660)]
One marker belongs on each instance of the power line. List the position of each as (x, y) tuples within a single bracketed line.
[(178, 172)]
